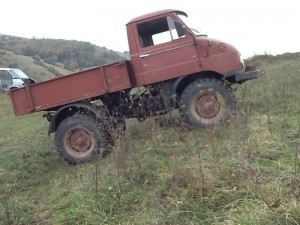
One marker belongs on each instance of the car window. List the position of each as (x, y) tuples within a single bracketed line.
[(4, 75)]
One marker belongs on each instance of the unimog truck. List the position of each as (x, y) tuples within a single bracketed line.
[(172, 66)]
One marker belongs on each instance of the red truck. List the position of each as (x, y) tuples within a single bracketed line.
[(172, 66)]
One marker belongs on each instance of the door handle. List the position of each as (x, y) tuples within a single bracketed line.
[(144, 55)]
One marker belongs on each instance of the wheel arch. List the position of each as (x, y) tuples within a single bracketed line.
[(182, 82), (70, 110)]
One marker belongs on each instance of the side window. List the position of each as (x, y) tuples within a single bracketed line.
[(4, 75), (5, 78), (159, 31)]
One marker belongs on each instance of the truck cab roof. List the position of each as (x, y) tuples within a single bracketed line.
[(154, 14)]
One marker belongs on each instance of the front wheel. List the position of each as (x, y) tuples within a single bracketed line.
[(80, 138), (205, 103)]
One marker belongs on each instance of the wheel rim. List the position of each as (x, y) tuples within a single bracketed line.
[(79, 142), (207, 105)]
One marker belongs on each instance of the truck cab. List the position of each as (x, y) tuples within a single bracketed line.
[(11, 78), (163, 47)]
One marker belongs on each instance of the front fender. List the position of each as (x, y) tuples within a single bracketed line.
[(69, 110)]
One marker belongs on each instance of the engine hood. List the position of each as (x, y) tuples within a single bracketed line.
[(211, 46), (219, 56)]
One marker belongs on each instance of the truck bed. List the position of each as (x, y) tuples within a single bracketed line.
[(71, 88)]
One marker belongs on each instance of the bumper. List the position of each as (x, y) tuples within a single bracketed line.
[(241, 76)]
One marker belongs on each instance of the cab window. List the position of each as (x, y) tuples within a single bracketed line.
[(159, 31)]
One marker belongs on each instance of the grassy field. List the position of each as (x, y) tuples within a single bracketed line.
[(245, 172)]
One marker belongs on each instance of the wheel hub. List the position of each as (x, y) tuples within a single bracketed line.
[(80, 140), (207, 105)]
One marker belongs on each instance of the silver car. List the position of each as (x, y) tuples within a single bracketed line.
[(11, 78)]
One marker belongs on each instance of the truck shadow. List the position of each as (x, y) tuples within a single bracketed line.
[(169, 122)]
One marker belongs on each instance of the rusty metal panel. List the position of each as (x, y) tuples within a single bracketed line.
[(169, 60), (117, 77), (71, 88), (20, 101)]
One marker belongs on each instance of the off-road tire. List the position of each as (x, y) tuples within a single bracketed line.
[(80, 138), (206, 103)]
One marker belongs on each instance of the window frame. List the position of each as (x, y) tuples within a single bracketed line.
[(145, 35)]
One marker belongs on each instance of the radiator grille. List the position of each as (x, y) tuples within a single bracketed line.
[(221, 47)]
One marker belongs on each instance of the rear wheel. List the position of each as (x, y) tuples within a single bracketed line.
[(80, 138), (205, 103)]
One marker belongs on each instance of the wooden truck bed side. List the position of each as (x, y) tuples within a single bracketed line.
[(71, 88)]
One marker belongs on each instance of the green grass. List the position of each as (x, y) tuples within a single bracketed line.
[(59, 69), (245, 172)]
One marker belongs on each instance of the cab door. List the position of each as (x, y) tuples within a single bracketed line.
[(166, 50)]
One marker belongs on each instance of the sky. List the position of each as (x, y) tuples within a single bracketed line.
[(253, 26)]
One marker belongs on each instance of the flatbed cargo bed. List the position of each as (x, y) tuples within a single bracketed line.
[(71, 88)]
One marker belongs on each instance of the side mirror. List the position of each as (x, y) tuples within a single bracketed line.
[(179, 28)]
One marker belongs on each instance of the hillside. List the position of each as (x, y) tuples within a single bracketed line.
[(48, 58), (245, 172), (29, 66)]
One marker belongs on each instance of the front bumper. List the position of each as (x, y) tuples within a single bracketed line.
[(240, 76)]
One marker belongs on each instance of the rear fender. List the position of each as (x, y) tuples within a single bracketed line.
[(70, 110)]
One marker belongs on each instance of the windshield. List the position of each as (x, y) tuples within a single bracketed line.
[(187, 22), (18, 74)]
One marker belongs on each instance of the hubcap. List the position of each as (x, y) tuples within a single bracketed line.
[(79, 140), (207, 105)]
